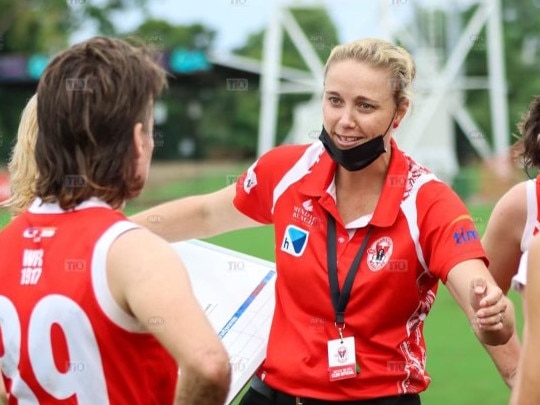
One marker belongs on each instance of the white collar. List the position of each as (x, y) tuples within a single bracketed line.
[(39, 207)]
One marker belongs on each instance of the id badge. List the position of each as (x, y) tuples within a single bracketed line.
[(341, 359)]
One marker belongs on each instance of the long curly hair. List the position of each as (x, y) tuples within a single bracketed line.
[(90, 97)]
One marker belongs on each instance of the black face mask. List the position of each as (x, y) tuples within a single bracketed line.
[(356, 158)]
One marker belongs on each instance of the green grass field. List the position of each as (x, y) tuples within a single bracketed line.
[(462, 372)]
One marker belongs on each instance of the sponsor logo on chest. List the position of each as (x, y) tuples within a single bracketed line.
[(304, 213), (294, 240)]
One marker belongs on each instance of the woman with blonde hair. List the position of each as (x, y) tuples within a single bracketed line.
[(363, 235), (22, 164)]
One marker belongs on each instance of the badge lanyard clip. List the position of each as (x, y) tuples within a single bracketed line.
[(340, 327)]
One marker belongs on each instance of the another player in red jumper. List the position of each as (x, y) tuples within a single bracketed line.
[(94, 309)]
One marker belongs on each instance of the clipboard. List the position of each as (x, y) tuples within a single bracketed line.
[(237, 293)]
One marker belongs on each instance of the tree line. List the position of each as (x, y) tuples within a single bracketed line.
[(211, 121)]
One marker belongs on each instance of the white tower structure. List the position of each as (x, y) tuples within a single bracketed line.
[(441, 84)]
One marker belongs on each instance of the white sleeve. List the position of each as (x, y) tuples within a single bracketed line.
[(519, 281)]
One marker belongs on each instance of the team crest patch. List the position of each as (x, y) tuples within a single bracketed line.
[(294, 240), (379, 253), (37, 233), (308, 205)]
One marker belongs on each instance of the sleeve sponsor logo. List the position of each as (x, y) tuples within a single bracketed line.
[(463, 236), (250, 180), (466, 233), (294, 241)]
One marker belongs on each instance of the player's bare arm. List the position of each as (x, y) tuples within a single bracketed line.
[(501, 242), (195, 217), (166, 294), (502, 237)]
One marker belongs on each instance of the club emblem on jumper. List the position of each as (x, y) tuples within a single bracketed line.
[(294, 240), (379, 253), (341, 355), (308, 205), (37, 233)]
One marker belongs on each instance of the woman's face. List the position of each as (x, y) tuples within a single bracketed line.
[(358, 103)]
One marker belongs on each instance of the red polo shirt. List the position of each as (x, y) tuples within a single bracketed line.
[(420, 230)]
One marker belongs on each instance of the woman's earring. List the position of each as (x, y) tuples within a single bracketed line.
[(395, 125)]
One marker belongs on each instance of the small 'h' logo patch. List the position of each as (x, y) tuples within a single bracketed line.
[(294, 240)]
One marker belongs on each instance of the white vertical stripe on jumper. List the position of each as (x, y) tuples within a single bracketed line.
[(409, 209), (532, 215), (300, 169)]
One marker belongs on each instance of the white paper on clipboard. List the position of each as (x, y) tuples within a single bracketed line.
[(237, 293)]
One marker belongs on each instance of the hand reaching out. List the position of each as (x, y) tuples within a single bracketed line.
[(489, 304)]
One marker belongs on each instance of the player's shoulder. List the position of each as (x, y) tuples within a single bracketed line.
[(278, 161), (508, 218), (140, 240), (512, 206), (434, 191), (286, 155), (138, 248)]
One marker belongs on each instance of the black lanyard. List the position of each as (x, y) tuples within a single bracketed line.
[(341, 299)]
